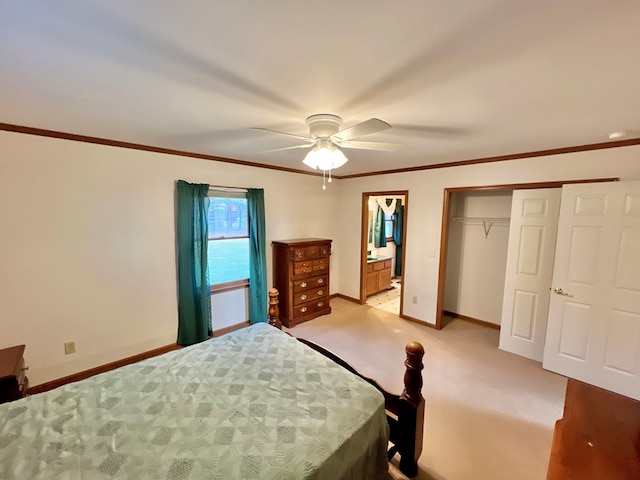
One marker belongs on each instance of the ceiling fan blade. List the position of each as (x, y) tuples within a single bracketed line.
[(367, 127), (283, 133), (306, 145), (385, 147)]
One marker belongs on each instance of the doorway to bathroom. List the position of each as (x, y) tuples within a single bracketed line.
[(384, 223)]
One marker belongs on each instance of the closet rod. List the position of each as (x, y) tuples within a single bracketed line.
[(482, 219)]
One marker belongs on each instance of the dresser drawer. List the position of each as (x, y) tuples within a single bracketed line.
[(310, 307), (308, 295), (308, 283), (21, 372), (308, 253), (320, 265), (302, 267)]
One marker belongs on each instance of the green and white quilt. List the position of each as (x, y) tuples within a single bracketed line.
[(253, 404)]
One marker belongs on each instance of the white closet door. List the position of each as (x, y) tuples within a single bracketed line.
[(593, 330), (532, 238)]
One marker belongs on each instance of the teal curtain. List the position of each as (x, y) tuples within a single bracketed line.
[(379, 237), (194, 292), (397, 236), (257, 256)]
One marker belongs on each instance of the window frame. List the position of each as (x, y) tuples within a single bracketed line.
[(234, 284), (393, 225)]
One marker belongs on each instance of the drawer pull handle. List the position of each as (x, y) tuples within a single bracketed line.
[(303, 297), (303, 309), (299, 254), (320, 304), (321, 280), (303, 284), (320, 292)]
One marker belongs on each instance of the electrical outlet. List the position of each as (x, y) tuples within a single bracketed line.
[(69, 347), (414, 300)]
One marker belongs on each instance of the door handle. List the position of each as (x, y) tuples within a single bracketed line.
[(559, 291)]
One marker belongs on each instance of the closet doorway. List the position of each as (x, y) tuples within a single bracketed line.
[(383, 238), (486, 228), (477, 252)]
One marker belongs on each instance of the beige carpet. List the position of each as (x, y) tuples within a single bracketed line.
[(489, 414)]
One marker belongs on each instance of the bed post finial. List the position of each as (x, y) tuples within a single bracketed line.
[(274, 311), (413, 374)]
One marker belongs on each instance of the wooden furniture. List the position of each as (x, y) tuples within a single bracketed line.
[(13, 379), (378, 277), (301, 276), (598, 436)]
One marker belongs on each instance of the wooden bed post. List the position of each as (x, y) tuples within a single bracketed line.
[(413, 374), (411, 411), (274, 311)]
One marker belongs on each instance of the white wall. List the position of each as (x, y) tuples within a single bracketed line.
[(424, 210), (476, 259), (87, 244), (230, 308), (87, 237)]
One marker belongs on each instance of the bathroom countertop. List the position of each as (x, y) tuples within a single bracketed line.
[(379, 259)]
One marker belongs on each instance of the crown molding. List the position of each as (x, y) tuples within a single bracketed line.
[(203, 156)]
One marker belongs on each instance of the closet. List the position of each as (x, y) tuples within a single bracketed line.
[(478, 228), (567, 281)]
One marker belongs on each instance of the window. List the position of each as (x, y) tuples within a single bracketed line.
[(388, 227), (228, 249)]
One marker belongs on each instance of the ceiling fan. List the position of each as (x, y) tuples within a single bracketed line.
[(325, 137)]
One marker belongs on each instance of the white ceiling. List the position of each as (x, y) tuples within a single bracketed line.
[(457, 80)]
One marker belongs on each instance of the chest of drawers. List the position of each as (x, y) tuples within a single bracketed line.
[(13, 381), (301, 275)]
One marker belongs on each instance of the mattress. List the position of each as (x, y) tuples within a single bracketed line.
[(253, 404)]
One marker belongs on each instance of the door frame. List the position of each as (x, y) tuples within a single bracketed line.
[(446, 215), (364, 237)]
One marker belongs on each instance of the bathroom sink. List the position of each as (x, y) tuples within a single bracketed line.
[(372, 258)]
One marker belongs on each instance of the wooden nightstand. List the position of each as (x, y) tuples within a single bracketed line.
[(13, 379)]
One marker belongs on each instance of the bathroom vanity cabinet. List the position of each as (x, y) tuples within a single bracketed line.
[(378, 277)]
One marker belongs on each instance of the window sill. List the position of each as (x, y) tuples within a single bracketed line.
[(229, 286)]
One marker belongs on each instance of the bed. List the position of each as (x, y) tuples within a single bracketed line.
[(253, 404)]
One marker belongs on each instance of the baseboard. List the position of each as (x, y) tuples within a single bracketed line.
[(44, 387), (471, 319), (345, 297), (231, 328), (419, 322)]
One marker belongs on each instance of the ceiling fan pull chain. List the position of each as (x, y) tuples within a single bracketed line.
[(324, 186)]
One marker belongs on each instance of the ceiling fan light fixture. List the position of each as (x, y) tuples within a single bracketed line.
[(325, 137), (325, 157)]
